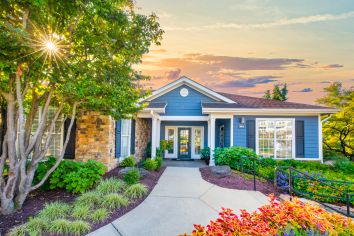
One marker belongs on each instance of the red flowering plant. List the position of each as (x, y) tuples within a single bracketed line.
[(278, 218)]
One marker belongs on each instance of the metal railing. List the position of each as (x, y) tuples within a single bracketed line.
[(249, 165), (294, 173)]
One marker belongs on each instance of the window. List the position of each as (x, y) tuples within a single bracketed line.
[(171, 136), (197, 140), (221, 136), (275, 138), (125, 138)]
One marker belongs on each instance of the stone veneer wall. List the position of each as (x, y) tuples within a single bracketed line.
[(95, 138), (142, 137)]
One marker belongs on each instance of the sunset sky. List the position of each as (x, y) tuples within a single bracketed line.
[(247, 46)]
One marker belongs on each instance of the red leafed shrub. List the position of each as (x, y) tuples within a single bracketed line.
[(278, 218)]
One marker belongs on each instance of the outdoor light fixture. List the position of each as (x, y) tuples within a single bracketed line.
[(241, 122)]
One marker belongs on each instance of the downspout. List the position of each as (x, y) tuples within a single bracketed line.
[(327, 118)]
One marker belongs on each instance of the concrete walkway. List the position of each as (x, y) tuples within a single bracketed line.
[(180, 199)]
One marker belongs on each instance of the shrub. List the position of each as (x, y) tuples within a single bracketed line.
[(76, 176), (159, 162), (150, 164), (344, 165), (136, 191), (37, 225), (114, 200), (81, 211), (20, 230), (111, 185), (128, 162), (277, 218), (99, 215), (79, 227), (54, 210), (132, 176), (60, 226), (232, 157), (42, 169), (89, 199)]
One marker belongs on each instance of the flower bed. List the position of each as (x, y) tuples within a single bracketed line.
[(278, 218), (86, 218)]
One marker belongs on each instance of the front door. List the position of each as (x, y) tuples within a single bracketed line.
[(184, 143)]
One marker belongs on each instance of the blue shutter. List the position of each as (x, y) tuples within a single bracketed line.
[(132, 138), (118, 137), (251, 134), (300, 138)]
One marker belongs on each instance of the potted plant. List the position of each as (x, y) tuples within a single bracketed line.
[(205, 155)]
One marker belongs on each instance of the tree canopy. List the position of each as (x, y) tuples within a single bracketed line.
[(338, 131), (68, 54), (280, 94)]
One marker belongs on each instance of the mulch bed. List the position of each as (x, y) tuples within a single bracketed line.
[(238, 181), (35, 202)]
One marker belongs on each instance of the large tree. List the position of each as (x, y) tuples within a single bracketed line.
[(338, 131), (68, 54)]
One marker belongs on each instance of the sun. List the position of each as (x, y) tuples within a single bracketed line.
[(51, 46)]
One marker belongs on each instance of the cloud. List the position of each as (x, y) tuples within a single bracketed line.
[(276, 23), (216, 63), (251, 82), (170, 75), (332, 66), (305, 90)]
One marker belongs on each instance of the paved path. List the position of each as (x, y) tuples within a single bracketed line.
[(180, 199)]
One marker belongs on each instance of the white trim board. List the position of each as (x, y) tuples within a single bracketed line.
[(186, 81), (269, 111), (184, 118)]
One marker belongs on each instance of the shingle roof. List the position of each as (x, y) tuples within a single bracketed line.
[(253, 102)]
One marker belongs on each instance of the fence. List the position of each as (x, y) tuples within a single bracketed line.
[(292, 181)]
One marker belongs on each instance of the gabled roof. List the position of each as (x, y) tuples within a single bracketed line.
[(186, 81)]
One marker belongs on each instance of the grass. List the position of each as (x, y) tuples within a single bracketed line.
[(37, 225), (81, 211), (90, 199), (136, 191), (111, 185), (60, 226), (79, 227), (114, 200), (99, 215), (54, 210), (18, 230)]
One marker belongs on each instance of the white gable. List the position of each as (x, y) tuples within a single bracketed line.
[(186, 81)]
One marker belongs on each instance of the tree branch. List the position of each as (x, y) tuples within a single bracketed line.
[(60, 158)]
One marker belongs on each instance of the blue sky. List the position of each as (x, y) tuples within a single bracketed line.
[(247, 46)]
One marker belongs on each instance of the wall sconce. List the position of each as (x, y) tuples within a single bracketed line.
[(241, 122)]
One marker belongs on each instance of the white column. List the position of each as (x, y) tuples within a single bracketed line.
[(158, 133), (153, 136), (232, 131), (320, 139), (212, 141)]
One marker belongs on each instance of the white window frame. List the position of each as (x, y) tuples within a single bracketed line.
[(129, 123), (174, 153), (175, 149), (293, 151)]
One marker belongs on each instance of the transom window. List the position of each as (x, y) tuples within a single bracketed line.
[(275, 138)]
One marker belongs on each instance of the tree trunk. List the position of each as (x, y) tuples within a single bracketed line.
[(7, 205)]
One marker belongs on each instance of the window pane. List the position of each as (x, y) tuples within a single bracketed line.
[(125, 146), (171, 140), (275, 138), (197, 140), (125, 137)]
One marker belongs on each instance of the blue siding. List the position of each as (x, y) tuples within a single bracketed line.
[(227, 126), (185, 123), (118, 139), (183, 106), (311, 133)]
